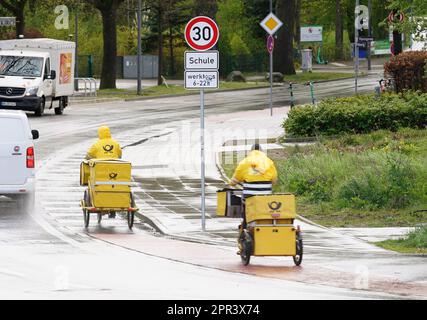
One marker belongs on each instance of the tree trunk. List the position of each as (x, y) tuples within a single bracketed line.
[(297, 37), (160, 44), (339, 31), (171, 52), (20, 23), (350, 21), (109, 22), (17, 9), (284, 53)]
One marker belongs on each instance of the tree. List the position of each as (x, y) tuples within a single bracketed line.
[(284, 53), (206, 8), (339, 30), (17, 8), (297, 35), (415, 21), (108, 9)]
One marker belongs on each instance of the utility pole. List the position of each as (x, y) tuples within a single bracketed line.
[(139, 90), (369, 35)]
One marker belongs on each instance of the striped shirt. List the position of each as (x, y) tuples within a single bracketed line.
[(257, 188)]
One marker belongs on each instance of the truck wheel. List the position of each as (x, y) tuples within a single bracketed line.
[(60, 109), (40, 109)]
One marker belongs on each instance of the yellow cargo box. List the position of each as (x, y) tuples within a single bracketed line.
[(274, 241), (110, 182), (103, 199), (84, 173), (221, 206), (275, 206), (229, 204)]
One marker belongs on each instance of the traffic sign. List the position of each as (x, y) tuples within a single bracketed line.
[(7, 21), (366, 39), (270, 44), (271, 23), (201, 33), (201, 60), (201, 80)]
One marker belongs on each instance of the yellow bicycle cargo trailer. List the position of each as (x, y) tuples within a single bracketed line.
[(270, 229), (109, 189)]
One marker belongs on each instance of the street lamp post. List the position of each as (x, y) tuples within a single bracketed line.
[(76, 39), (139, 90)]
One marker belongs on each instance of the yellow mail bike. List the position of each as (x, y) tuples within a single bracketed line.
[(109, 189), (269, 229)]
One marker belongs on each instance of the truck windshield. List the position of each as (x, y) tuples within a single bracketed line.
[(21, 66)]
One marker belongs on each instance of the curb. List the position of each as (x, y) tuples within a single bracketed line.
[(195, 93)]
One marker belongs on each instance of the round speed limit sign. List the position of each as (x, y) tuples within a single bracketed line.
[(201, 33)]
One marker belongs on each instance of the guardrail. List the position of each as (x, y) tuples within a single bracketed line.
[(92, 90)]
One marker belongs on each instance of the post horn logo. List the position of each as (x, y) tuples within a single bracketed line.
[(108, 148), (113, 176), (275, 206)]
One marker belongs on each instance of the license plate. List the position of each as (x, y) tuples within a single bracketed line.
[(8, 104)]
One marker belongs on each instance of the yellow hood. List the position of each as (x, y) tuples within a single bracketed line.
[(104, 132)]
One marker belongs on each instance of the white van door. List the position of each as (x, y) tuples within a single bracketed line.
[(13, 152), (47, 83)]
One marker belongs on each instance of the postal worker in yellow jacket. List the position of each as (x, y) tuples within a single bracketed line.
[(106, 147), (256, 172)]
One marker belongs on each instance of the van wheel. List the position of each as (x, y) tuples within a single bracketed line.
[(25, 203), (40, 109), (60, 110)]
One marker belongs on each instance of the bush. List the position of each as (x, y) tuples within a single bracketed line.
[(407, 70), (361, 114)]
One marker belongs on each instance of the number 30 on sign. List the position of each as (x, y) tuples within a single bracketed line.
[(201, 33)]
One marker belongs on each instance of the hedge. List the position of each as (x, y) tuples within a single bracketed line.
[(361, 114), (407, 70)]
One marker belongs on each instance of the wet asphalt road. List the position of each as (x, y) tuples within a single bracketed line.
[(41, 235), (80, 122)]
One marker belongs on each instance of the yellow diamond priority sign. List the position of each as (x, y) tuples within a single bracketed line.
[(271, 24)]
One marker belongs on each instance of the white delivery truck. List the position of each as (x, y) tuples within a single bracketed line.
[(35, 74)]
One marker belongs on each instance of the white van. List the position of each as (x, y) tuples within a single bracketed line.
[(17, 157), (35, 74)]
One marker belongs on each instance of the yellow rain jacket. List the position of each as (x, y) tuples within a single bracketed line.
[(254, 168), (105, 147)]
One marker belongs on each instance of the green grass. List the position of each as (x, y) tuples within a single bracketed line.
[(306, 77), (164, 90), (414, 242), (316, 76), (369, 180)]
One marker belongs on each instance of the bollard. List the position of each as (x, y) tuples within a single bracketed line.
[(378, 91), (313, 100), (292, 95)]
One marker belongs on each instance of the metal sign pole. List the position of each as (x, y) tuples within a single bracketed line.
[(271, 83), (271, 70), (356, 51), (369, 35), (202, 154)]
